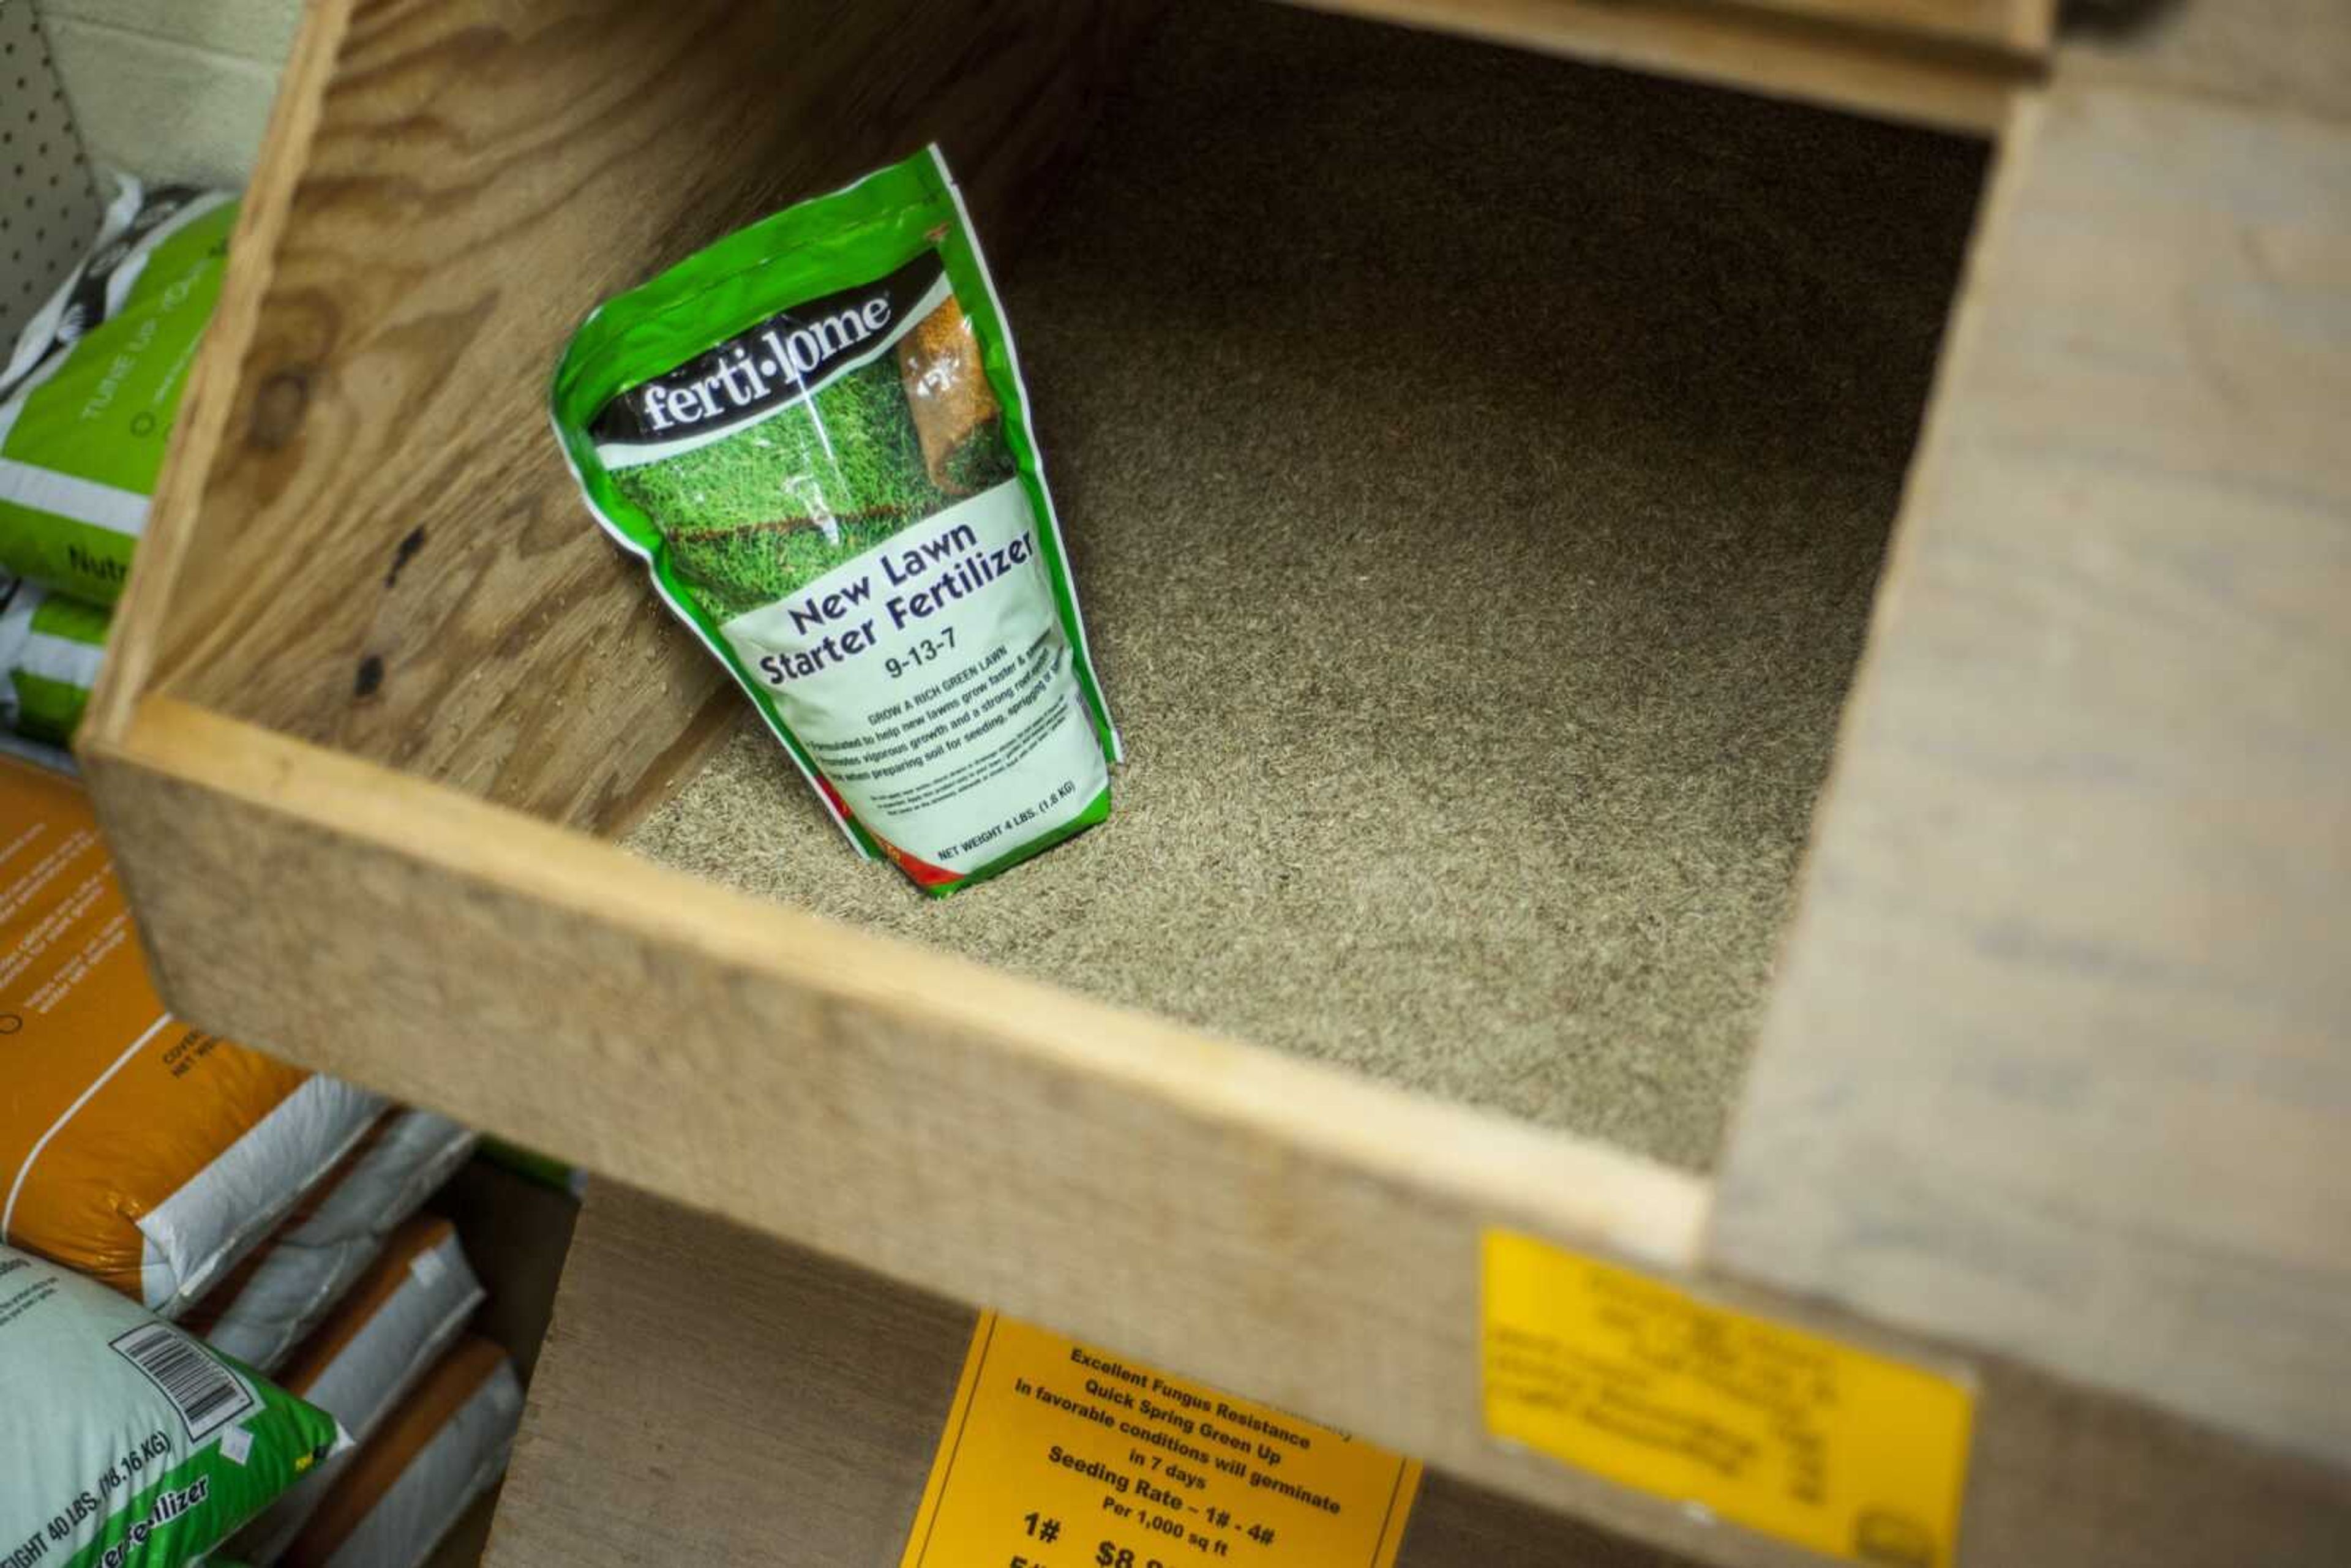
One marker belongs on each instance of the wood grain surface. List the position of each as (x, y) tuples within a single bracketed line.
[(1221, 1211), (379, 549), (1949, 64), (2274, 55), (1559, 841), (2018, 24), (987, 1138), (2059, 1064), (695, 1365), (2060, 1058)]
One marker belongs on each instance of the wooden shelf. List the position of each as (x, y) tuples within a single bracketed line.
[(770, 1372), (1486, 778), (694, 1363), (2051, 1082), (1949, 64), (2084, 748)]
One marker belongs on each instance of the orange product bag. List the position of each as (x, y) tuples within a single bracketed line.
[(407, 1486), (134, 1149)]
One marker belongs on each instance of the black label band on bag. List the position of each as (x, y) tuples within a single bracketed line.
[(789, 355)]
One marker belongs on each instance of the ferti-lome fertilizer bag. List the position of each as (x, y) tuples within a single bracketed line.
[(141, 1151), (50, 650), (88, 395), (128, 1444), (816, 436)]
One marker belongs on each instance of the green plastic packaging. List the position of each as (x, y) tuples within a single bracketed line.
[(815, 435), (130, 1443), (88, 397), (50, 650)]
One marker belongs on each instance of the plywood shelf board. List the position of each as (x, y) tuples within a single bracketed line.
[(983, 1136), (2276, 55), (2061, 1053), (941, 1122), (1476, 552), (2018, 26), (749, 1368), (1949, 64)]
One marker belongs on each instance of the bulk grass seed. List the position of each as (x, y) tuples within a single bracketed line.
[(815, 435)]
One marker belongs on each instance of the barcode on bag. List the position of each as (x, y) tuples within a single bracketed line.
[(201, 1389)]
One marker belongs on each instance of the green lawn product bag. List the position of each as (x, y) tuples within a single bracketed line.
[(88, 398), (128, 1444), (815, 435), (50, 648)]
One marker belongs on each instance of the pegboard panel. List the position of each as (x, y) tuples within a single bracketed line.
[(49, 205)]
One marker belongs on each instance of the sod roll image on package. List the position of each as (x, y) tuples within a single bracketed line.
[(815, 435)]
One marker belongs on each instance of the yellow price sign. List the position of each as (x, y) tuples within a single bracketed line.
[(1056, 1455), (1772, 1427)]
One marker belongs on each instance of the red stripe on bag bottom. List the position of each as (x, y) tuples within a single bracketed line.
[(924, 873)]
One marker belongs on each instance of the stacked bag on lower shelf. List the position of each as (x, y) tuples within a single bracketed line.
[(183, 1219), (49, 652), (127, 1443), (88, 397)]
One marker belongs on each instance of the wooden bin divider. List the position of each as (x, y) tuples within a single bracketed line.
[(395, 891)]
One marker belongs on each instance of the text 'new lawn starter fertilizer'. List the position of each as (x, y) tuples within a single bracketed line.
[(815, 435)]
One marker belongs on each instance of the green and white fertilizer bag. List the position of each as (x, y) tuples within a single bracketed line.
[(50, 649), (125, 1443), (815, 435), (88, 397)]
